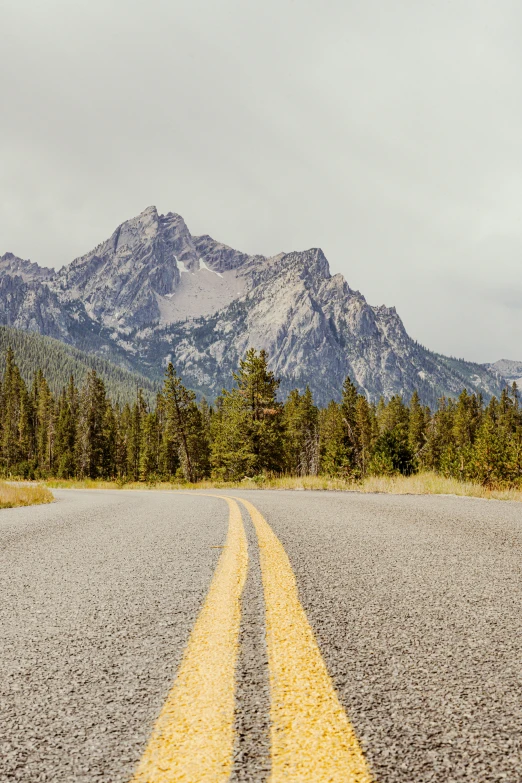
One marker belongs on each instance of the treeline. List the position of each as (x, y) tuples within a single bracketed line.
[(81, 432), (59, 361)]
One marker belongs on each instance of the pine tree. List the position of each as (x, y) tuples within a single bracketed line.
[(27, 435), (392, 452), (123, 427), (184, 427), (416, 429), (66, 430), (449, 457), (309, 449), (349, 413), (466, 418), (168, 457), (135, 436), (335, 457), (110, 439), (490, 450), (206, 413), (301, 434), (91, 444), (436, 431), (45, 417), (149, 461), (366, 427), (248, 426), (11, 393)]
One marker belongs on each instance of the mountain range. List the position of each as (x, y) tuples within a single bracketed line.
[(154, 293)]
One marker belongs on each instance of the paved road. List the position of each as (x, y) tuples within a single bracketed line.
[(415, 604)]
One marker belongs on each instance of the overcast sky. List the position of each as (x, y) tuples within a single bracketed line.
[(387, 132)]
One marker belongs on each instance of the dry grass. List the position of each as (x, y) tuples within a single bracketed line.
[(12, 495), (420, 484), (260, 482), (432, 484), (97, 484)]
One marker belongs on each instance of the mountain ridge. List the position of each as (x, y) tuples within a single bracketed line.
[(152, 292)]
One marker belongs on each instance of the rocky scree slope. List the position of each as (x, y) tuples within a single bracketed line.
[(152, 293)]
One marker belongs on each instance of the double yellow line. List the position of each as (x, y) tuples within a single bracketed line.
[(312, 740)]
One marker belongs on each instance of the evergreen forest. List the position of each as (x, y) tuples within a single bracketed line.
[(58, 361), (84, 431)]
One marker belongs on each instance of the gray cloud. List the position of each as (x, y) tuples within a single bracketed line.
[(386, 133)]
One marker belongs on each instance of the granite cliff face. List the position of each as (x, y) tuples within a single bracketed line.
[(153, 292)]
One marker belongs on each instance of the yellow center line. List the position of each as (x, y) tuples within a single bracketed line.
[(312, 739), (193, 738)]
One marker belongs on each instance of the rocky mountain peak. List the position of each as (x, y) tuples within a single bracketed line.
[(143, 228), (313, 262), (27, 270), (121, 279), (152, 210)]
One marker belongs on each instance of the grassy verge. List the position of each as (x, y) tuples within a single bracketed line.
[(432, 484), (420, 484), (12, 495)]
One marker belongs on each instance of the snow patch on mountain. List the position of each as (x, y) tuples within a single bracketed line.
[(182, 268), (200, 294), (206, 268)]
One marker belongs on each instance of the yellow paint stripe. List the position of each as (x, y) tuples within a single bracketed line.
[(193, 738), (312, 738)]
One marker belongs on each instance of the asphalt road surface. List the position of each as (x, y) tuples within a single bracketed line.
[(146, 636)]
